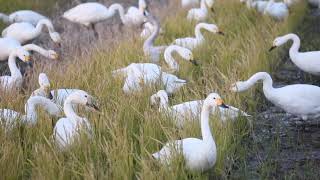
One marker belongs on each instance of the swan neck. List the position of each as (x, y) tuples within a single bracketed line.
[(117, 7), (150, 40), (32, 47), (198, 33), (168, 57), (296, 43), (205, 127), (15, 72), (69, 111), (266, 79)]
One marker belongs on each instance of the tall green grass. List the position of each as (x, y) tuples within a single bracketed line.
[(128, 130)]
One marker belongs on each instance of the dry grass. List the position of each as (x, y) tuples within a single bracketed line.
[(128, 130)]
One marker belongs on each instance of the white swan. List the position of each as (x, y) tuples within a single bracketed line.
[(150, 51), (277, 10), (260, 5), (306, 61), (188, 3), (198, 154), (290, 3), (10, 117), (14, 82), (194, 42), (7, 45), (148, 29), (137, 74), (200, 14), (25, 32), (185, 53), (191, 109), (22, 16), (302, 100), (67, 129), (88, 14)]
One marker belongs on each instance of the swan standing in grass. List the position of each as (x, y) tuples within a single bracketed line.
[(14, 82), (200, 14), (7, 45), (191, 110), (150, 51), (185, 53), (137, 74), (198, 154), (194, 42), (22, 16), (88, 14), (10, 117), (25, 32), (302, 100), (277, 10), (67, 129), (260, 6), (306, 61)]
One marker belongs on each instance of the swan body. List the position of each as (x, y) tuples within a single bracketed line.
[(191, 109), (260, 6), (185, 53), (302, 100), (137, 74), (25, 32), (187, 3), (151, 51), (306, 61), (200, 14), (7, 45), (67, 129), (10, 117), (194, 42), (22, 16), (277, 10), (199, 154), (14, 82)]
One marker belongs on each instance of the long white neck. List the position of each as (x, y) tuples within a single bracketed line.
[(46, 104), (205, 127), (15, 72), (198, 33), (70, 113), (296, 43), (265, 77), (203, 5), (40, 50), (41, 24), (117, 7), (150, 40), (172, 63), (4, 18)]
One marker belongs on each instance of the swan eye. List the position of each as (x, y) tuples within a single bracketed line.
[(214, 98), (85, 96)]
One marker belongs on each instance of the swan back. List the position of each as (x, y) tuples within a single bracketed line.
[(160, 98), (26, 16)]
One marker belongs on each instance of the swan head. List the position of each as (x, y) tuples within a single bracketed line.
[(23, 55), (214, 29), (52, 54), (160, 96), (279, 41), (239, 86), (172, 83), (213, 100), (143, 5), (83, 98), (187, 55), (45, 86)]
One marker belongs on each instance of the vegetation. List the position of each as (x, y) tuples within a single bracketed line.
[(128, 130)]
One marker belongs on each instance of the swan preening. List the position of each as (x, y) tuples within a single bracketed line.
[(7, 45), (306, 61), (137, 74), (88, 14), (194, 42), (198, 154), (200, 14), (22, 16), (25, 32), (183, 112), (9, 117), (67, 129), (302, 100)]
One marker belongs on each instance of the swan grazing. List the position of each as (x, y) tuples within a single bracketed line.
[(150, 51), (277, 10), (198, 154), (88, 14), (306, 61), (22, 16), (7, 45), (10, 117), (194, 42), (191, 110), (14, 82), (25, 32), (67, 129), (302, 100), (183, 52), (200, 14), (137, 74), (260, 5)]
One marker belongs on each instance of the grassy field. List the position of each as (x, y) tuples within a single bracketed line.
[(128, 130)]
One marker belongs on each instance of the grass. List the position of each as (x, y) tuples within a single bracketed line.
[(128, 130)]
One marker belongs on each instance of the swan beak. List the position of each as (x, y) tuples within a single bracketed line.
[(27, 58), (56, 56), (212, 10), (272, 48), (194, 62), (220, 33), (92, 103), (221, 104)]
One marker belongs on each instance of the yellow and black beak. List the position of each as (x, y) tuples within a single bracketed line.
[(272, 48), (220, 33), (221, 104)]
